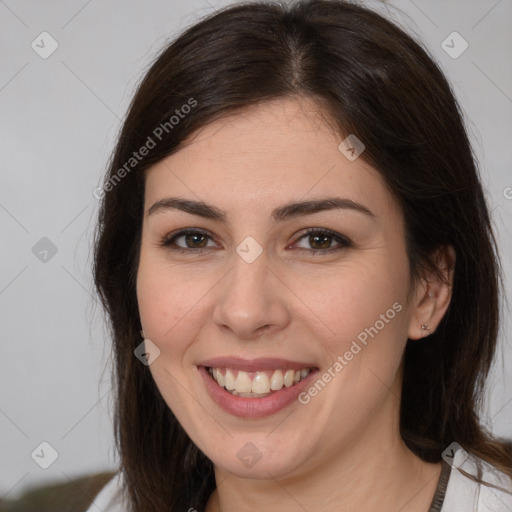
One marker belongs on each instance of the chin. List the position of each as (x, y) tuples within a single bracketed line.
[(259, 457)]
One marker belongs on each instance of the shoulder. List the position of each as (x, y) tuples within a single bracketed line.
[(465, 494), (110, 498)]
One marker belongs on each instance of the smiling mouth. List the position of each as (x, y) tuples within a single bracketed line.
[(258, 384)]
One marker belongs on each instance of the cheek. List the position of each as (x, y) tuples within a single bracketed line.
[(162, 302), (168, 307), (155, 303), (362, 333), (347, 301), (360, 316), (172, 308)]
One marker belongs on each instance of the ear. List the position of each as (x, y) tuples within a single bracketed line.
[(433, 295)]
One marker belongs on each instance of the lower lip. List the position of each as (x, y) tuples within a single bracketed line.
[(253, 407)]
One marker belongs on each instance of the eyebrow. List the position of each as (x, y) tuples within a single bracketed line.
[(285, 212)]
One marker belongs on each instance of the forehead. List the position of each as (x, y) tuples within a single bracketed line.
[(264, 156)]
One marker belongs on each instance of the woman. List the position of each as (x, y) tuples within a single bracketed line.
[(298, 264)]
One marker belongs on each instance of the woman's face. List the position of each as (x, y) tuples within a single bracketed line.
[(245, 295)]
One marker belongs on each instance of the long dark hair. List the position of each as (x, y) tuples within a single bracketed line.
[(370, 79)]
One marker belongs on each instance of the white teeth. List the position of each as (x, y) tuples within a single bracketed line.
[(229, 380), (288, 378), (219, 377), (243, 383), (276, 381), (260, 385)]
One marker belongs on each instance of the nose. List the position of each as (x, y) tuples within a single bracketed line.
[(251, 300)]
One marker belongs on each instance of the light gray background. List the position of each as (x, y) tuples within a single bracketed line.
[(59, 119)]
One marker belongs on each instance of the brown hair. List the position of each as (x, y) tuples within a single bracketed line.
[(374, 81)]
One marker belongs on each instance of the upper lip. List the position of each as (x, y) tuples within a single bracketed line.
[(252, 365)]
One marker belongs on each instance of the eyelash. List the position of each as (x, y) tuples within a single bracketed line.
[(344, 242)]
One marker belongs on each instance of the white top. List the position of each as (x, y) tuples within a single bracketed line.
[(455, 492), (464, 494)]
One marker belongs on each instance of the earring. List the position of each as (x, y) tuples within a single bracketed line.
[(425, 327), (142, 334)]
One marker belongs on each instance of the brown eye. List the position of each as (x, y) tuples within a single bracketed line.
[(193, 241), (321, 240)]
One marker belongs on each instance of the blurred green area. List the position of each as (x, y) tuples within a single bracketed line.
[(63, 496)]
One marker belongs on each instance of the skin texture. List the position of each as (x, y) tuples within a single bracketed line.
[(342, 449)]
